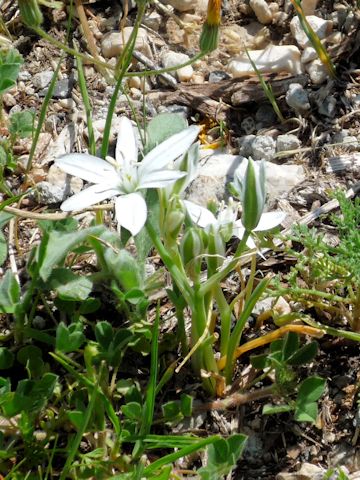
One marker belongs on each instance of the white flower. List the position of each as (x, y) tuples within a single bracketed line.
[(227, 216), (124, 177)]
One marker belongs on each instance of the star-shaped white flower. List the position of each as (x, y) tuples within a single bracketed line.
[(227, 217), (124, 177)]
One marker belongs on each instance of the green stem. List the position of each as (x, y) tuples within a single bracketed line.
[(225, 317), (177, 275), (240, 325), (218, 277)]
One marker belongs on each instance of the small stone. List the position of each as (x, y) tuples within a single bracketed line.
[(297, 98), (265, 115), (152, 20), (287, 142), (308, 55), (245, 142), (218, 76), (317, 71), (182, 110), (274, 58), (68, 183), (308, 471), (9, 100), (248, 125), (197, 78), (320, 26), (309, 6), (214, 174), (47, 194), (42, 79), (280, 179), (328, 107), (171, 59), (24, 76), (183, 5), (262, 11), (113, 42), (263, 148)]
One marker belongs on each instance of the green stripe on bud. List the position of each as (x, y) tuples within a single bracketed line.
[(192, 248), (253, 194)]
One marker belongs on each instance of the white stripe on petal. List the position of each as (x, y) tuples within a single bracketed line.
[(269, 220), (126, 151), (131, 212), (199, 215), (160, 178), (89, 168), (169, 150), (89, 196)]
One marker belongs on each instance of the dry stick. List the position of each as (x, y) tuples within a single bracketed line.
[(235, 400), (89, 37), (54, 216)]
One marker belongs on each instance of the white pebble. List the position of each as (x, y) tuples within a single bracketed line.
[(262, 11)]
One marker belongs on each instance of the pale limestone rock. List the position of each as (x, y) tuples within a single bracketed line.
[(309, 6), (282, 58), (262, 11), (308, 55), (183, 5), (308, 471), (113, 43), (171, 59), (317, 71), (321, 27)]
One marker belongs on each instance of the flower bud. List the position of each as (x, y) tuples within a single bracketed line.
[(254, 194), (249, 186), (209, 38), (174, 218), (216, 249), (30, 13), (192, 248)]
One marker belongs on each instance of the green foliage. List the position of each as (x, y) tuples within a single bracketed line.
[(10, 63), (331, 274), (284, 355), (162, 127), (22, 124)]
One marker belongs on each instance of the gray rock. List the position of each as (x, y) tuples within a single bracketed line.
[(322, 27), (265, 116), (24, 76), (280, 179), (179, 109), (214, 174), (48, 194), (263, 148), (317, 71), (245, 143), (248, 125), (42, 79), (218, 76), (287, 142), (327, 107), (152, 20), (297, 98)]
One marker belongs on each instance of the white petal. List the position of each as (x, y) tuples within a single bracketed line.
[(131, 212), (89, 196), (160, 178), (199, 215), (89, 168), (169, 150), (126, 151), (269, 220)]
